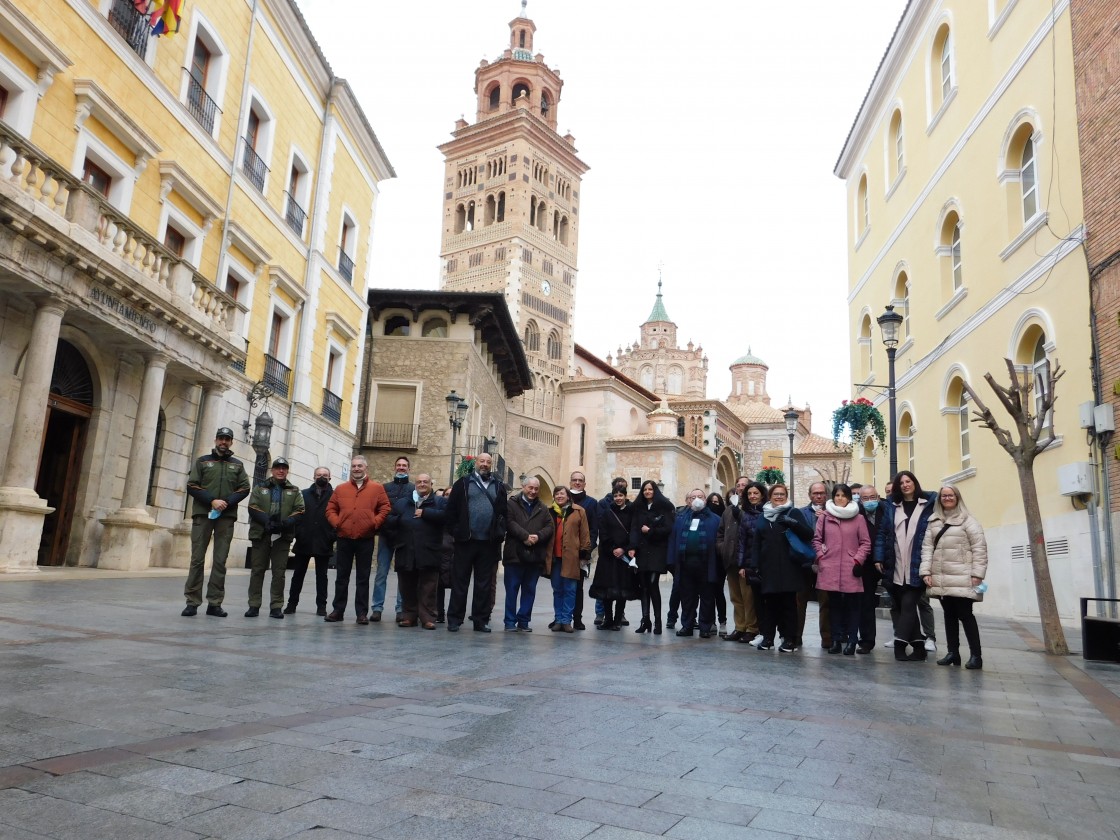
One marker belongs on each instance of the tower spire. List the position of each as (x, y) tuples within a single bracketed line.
[(524, 3)]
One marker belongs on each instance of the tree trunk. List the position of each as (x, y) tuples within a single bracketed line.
[(1053, 636)]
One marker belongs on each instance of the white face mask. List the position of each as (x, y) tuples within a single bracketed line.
[(733, 500), (698, 504)]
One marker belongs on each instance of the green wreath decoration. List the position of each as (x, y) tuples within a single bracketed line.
[(859, 417)]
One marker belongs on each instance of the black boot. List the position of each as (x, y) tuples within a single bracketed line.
[(900, 651), (657, 626), (951, 658), (645, 626), (835, 647), (975, 662), (920, 653)]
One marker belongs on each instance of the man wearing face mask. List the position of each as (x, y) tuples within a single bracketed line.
[(399, 488), (692, 552), (476, 518), (818, 495), (314, 539), (872, 511)]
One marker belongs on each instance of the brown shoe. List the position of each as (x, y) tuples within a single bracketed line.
[(374, 616), (429, 625), (335, 615), (567, 628), (363, 620), (407, 622)]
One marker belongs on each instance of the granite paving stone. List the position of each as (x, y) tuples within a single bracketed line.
[(185, 728)]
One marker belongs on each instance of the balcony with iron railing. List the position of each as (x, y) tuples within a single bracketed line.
[(253, 165), (136, 275), (277, 376), (332, 406), (132, 25), (294, 214), (204, 109), (346, 265), (390, 435)]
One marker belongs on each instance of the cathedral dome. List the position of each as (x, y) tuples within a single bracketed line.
[(749, 359)]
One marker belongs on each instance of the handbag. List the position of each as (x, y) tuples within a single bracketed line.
[(802, 549)]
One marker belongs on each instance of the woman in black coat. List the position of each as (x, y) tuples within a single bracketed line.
[(616, 581), (780, 571), (649, 546)]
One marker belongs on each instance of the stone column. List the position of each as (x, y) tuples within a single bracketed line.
[(127, 539), (21, 510), (210, 399), (210, 419)]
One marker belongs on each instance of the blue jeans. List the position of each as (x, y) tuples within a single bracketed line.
[(563, 595), (381, 576), (521, 579)]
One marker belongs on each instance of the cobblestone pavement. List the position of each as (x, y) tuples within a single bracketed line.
[(120, 719)]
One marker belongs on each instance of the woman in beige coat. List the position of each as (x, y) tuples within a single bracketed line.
[(954, 563)]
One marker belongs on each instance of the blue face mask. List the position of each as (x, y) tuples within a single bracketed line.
[(401, 476), (870, 506)]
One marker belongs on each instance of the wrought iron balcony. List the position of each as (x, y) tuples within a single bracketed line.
[(277, 376), (332, 406), (131, 24), (390, 435), (346, 266), (202, 107), (295, 215), (253, 166)]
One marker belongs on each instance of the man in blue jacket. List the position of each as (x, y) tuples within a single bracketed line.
[(692, 552)]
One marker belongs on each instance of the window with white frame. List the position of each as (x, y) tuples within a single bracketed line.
[(863, 207), (1028, 180), (18, 97), (895, 148), (105, 172), (298, 194), (204, 79), (180, 235), (256, 143), (941, 68), (394, 410), (278, 350), (347, 246)]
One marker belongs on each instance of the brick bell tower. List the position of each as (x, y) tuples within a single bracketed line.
[(511, 224)]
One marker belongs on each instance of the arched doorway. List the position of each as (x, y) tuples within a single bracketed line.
[(69, 408)]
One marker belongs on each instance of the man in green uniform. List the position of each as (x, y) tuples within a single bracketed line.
[(274, 509), (217, 483)]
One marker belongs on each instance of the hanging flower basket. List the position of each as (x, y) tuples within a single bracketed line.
[(466, 466), (860, 417), (770, 476)]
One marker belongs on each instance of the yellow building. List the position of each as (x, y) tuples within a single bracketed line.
[(965, 213), (185, 221)]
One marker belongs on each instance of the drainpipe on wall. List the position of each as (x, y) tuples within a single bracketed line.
[(1109, 558)]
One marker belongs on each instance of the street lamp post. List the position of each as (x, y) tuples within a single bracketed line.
[(791, 429), (456, 414), (890, 322), (262, 439)]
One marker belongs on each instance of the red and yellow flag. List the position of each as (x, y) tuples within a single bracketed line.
[(164, 15)]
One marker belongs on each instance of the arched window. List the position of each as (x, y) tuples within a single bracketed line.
[(675, 381), (532, 338), (491, 210), (868, 461), (941, 68), (646, 377), (955, 263), (906, 440), (533, 211), (1031, 357), (460, 218), (434, 328), (1028, 180), (554, 345), (863, 207), (518, 89), (865, 355), (956, 415), (895, 159), (902, 302), (546, 104), (495, 97), (949, 253), (564, 230), (398, 325), (501, 211)]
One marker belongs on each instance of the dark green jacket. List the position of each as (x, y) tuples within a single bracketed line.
[(260, 509), (214, 477)]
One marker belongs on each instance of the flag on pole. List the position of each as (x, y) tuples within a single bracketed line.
[(164, 15)]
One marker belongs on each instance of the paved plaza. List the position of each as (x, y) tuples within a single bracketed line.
[(120, 719)]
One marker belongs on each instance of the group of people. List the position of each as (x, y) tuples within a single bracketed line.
[(772, 557)]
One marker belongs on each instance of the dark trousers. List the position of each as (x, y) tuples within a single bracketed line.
[(614, 612), (843, 615), (720, 601), (868, 602), (696, 590), (266, 554), (298, 567), (907, 627), (417, 589), (478, 558), (577, 613), (649, 585), (960, 609), (675, 599), (359, 555), (779, 611), (925, 614)]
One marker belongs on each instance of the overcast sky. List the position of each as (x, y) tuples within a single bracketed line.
[(711, 133)]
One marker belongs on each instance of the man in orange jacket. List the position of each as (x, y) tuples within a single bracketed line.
[(356, 510)]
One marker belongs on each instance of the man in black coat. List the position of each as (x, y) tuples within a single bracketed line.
[(577, 490), (818, 495), (418, 550), (476, 518), (314, 538), (872, 509)]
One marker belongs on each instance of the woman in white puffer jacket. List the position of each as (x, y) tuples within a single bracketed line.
[(954, 563)]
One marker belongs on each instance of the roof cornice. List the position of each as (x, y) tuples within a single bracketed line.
[(513, 124)]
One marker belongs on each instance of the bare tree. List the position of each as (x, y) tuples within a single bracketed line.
[(1029, 412), (835, 472)]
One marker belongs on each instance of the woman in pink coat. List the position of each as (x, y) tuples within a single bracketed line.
[(842, 544)]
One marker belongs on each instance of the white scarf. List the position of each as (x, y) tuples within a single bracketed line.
[(772, 513), (847, 512)]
